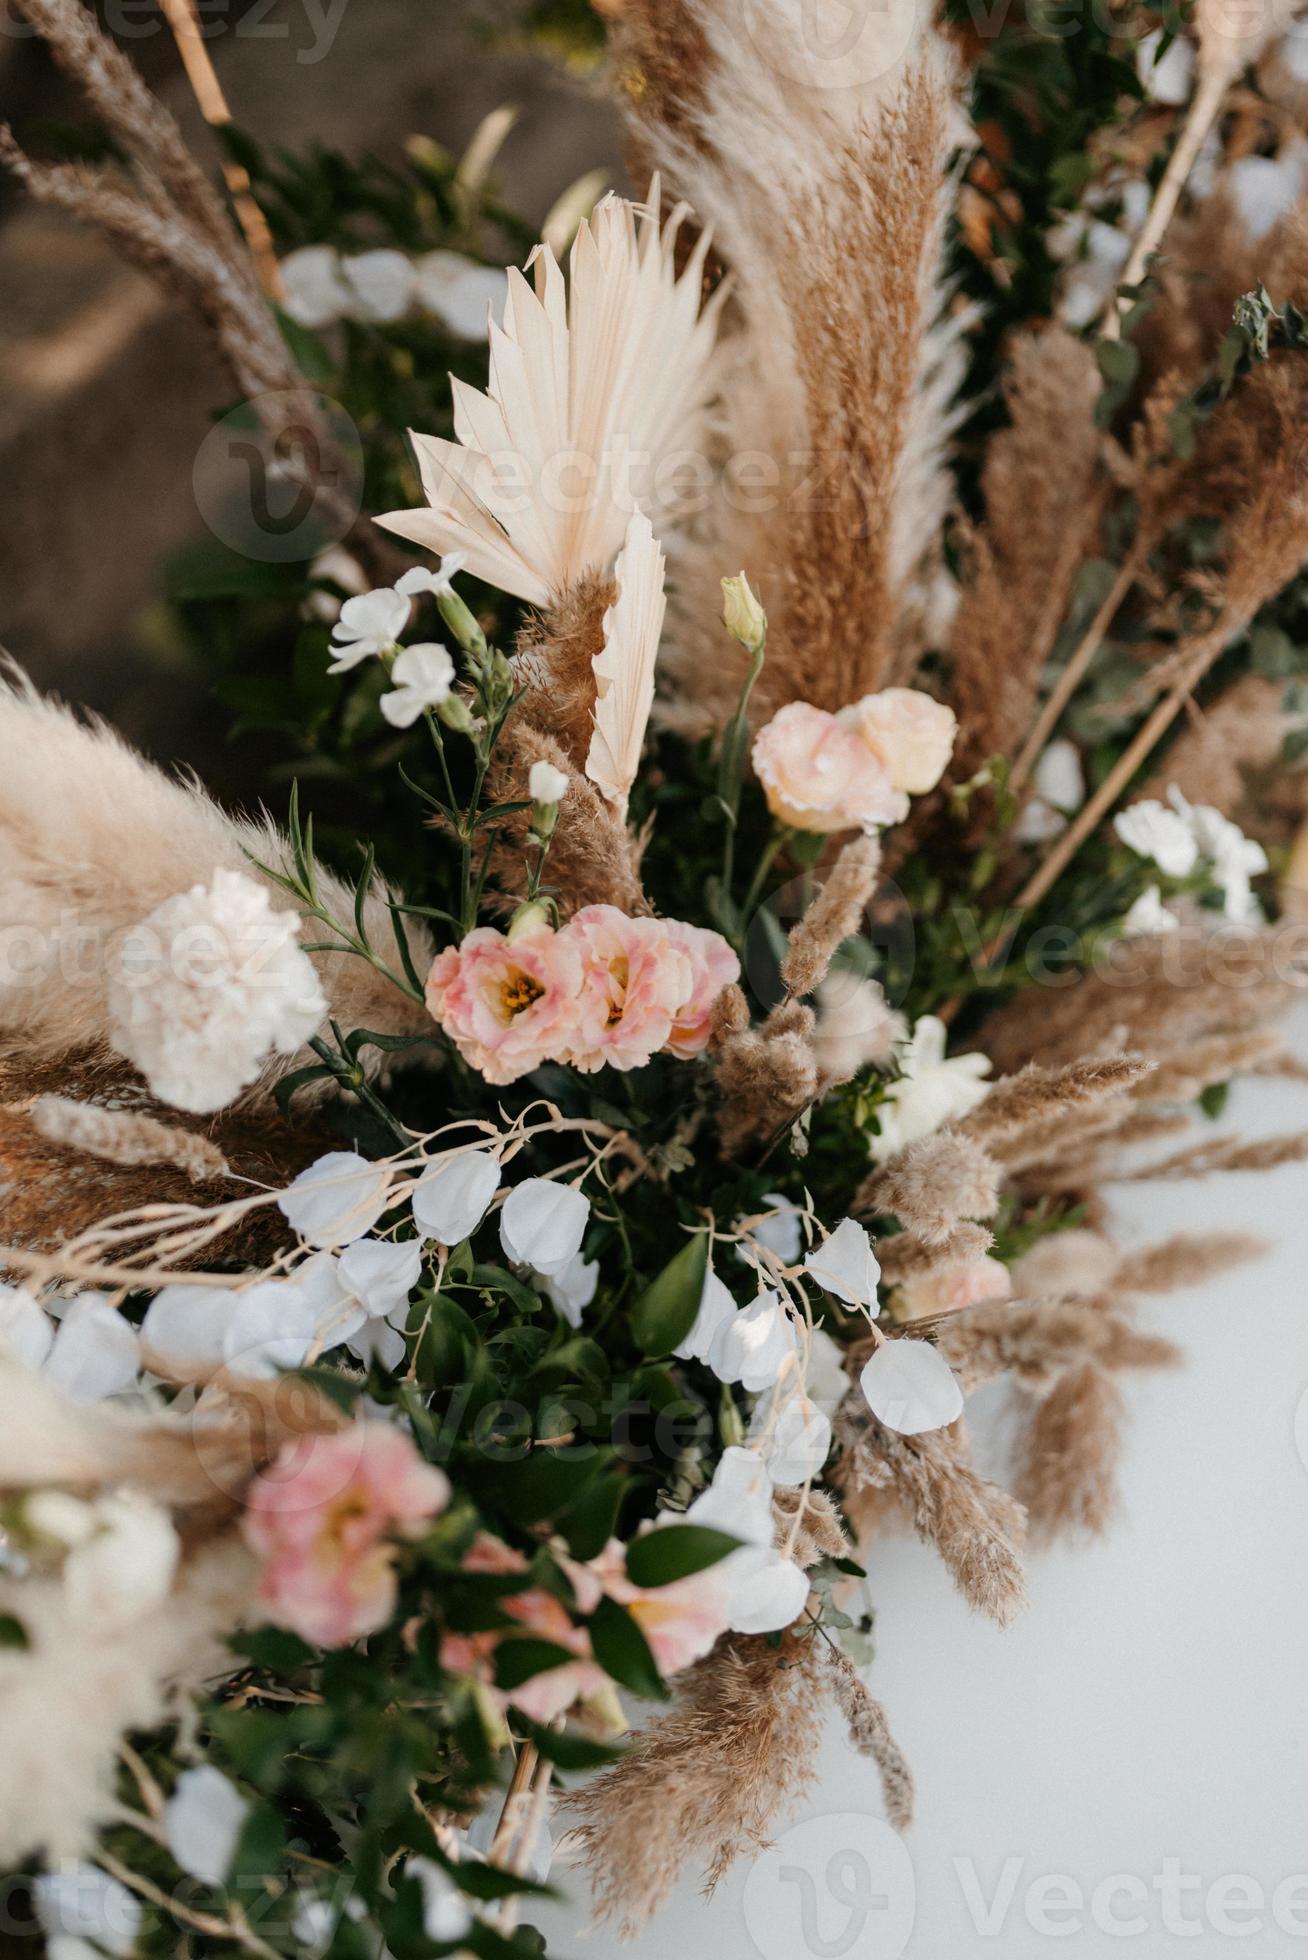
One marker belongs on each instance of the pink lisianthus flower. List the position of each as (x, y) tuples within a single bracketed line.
[(821, 776), (634, 982), (507, 1003), (952, 1288), (911, 735), (323, 1520), (713, 966), (682, 1622), (546, 1696)]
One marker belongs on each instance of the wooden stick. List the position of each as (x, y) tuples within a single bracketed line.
[(1070, 678), (1202, 114), (214, 107)]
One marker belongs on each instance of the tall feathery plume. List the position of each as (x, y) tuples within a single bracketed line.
[(92, 840), (869, 1733), (1038, 1342), (826, 187), (933, 1184), (1068, 1455), (594, 859)]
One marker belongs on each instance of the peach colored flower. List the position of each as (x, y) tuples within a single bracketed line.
[(713, 966), (634, 982), (911, 735), (681, 1622), (952, 1288), (322, 1519), (507, 1004), (820, 776), (546, 1696)]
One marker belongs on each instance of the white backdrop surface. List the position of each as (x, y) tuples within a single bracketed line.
[(1125, 1770)]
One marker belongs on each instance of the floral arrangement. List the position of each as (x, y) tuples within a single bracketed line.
[(514, 1237)]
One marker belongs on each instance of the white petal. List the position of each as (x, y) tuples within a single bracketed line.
[(337, 1199), (95, 1351), (846, 1265), (26, 1333), (124, 1571), (451, 1199), (183, 1332), (80, 1902), (795, 1442), (911, 1388), (781, 1233), (445, 1912), (754, 1346), (381, 1275), (461, 292), (380, 1341), (739, 1499), (624, 667), (572, 1288), (543, 1224), (272, 1327), (203, 1820), (768, 1592), (717, 1310), (380, 284)]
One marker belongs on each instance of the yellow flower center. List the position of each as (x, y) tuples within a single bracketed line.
[(517, 993)]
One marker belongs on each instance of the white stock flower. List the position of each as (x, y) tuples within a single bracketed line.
[(765, 1591), (423, 677), (124, 1569), (545, 783), (445, 1912), (369, 623), (845, 1264), (1235, 858), (932, 1089), (95, 1352), (420, 579), (462, 294), (543, 1224), (754, 1346), (1148, 915), (208, 987), (717, 1310), (81, 1908), (379, 285), (571, 1289), (1161, 835), (911, 1388), (451, 1199), (203, 1820), (313, 292), (337, 1199), (792, 1435)]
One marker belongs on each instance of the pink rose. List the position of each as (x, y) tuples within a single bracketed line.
[(507, 1004), (713, 966), (681, 1622), (546, 1696), (911, 735), (323, 1519), (952, 1288), (634, 982), (818, 775)]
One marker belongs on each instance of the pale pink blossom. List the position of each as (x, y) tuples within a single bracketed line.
[(545, 1697), (323, 1520), (818, 775), (951, 1288), (911, 735), (713, 966), (681, 1622), (635, 980), (508, 1004)]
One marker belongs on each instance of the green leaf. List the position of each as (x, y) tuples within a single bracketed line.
[(623, 1651), (665, 1312), (519, 1659), (13, 1634), (592, 1520), (567, 1749), (271, 1647), (675, 1552)]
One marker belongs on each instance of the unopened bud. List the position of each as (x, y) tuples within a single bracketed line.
[(456, 714), (461, 622), (743, 614), (529, 918)]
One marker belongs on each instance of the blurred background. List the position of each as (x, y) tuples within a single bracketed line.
[(107, 388)]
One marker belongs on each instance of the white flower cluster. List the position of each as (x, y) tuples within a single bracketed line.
[(209, 987), (321, 286), (1179, 836), (369, 626)]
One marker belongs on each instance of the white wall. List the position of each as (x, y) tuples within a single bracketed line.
[(1151, 1705)]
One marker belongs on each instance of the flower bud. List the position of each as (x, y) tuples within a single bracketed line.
[(743, 615), (456, 714), (529, 918), (461, 622)]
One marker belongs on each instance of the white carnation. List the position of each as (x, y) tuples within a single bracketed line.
[(208, 987)]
